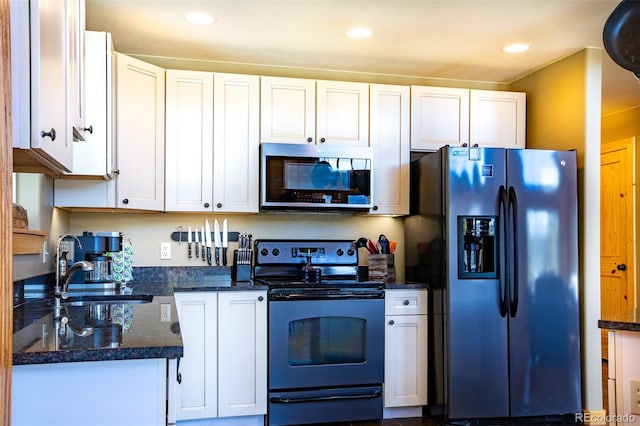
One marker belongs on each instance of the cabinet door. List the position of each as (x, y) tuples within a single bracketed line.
[(242, 357), (342, 113), (94, 156), (140, 134), (236, 142), (189, 141), (48, 88), (197, 394), (287, 110), (389, 138), (498, 118), (439, 117), (76, 107), (405, 361)]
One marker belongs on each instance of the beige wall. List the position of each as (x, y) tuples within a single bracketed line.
[(563, 112), (622, 125), (147, 230)]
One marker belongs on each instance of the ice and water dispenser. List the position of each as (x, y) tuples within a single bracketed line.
[(477, 247)]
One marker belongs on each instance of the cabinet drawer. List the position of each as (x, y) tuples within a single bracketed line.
[(405, 302)]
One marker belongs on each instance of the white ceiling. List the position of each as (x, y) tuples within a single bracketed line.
[(450, 39)]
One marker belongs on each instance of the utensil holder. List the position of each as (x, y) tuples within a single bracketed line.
[(240, 272), (382, 268)]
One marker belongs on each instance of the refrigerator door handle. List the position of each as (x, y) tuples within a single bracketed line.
[(513, 258), (502, 256)]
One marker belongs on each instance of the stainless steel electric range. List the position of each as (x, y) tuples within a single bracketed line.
[(326, 332)]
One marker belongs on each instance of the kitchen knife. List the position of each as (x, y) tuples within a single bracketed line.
[(207, 236), (225, 241), (197, 243), (189, 243), (216, 240), (204, 242)]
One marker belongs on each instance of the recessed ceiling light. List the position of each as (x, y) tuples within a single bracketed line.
[(359, 32), (200, 18), (516, 47)]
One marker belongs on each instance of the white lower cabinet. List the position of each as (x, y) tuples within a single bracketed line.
[(405, 356), (127, 392), (224, 367)]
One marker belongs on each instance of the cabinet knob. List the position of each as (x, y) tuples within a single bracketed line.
[(89, 129), (391, 322), (51, 134), (322, 140), (406, 302), (374, 208), (125, 201), (260, 298), (206, 205), (309, 139), (116, 172), (219, 205)]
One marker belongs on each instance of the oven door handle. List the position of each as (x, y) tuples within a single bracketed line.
[(372, 295), (280, 400)]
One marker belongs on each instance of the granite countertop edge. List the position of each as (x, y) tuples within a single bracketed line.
[(625, 321)]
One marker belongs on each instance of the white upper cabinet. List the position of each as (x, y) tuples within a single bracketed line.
[(212, 142), (459, 117), (140, 134), (342, 113), (295, 110), (389, 138), (236, 140), (94, 157), (39, 77), (76, 97), (498, 119), (287, 110), (189, 141), (439, 117)]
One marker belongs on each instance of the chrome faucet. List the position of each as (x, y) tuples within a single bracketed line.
[(81, 264), (63, 273)]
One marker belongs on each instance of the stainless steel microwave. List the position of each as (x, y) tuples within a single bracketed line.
[(320, 177)]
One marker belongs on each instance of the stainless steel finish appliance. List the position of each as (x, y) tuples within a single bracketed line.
[(495, 232), (320, 177), (326, 333)]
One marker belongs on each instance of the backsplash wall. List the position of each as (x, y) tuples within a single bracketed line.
[(147, 230)]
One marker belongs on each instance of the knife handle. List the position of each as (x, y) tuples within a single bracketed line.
[(197, 250), (209, 255), (217, 256), (189, 250), (224, 256)]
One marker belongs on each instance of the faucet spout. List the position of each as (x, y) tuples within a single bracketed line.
[(80, 265)]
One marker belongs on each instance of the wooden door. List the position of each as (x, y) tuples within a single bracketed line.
[(6, 258), (617, 239)]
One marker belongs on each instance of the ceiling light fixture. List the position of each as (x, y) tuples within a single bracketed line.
[(200, 18), (359, 32), (516, 47)]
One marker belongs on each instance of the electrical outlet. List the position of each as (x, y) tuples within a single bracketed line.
[(165, 251), (635, 396), (165, 312)]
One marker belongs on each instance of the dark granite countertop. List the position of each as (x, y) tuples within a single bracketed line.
[(627, 321)]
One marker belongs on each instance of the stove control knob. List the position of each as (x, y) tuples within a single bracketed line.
[(264, 252), (275, 252), (340, 252), (351, 252)]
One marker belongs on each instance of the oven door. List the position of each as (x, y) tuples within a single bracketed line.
[(316, 343)]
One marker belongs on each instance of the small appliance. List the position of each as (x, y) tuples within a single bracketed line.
[(317, 177), (98, 249)]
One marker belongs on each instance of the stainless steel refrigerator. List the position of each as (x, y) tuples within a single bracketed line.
[(495, 234)]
